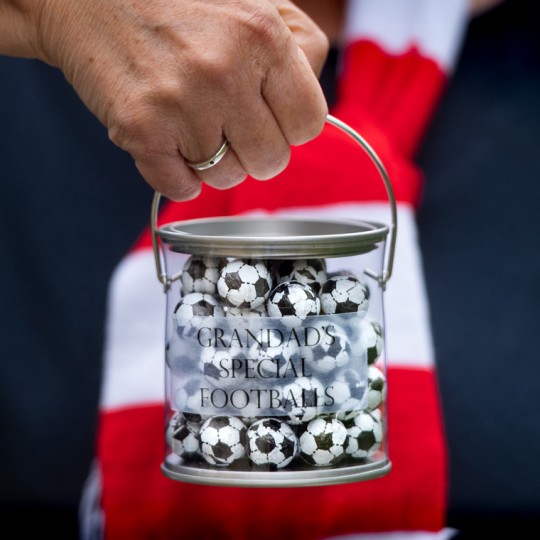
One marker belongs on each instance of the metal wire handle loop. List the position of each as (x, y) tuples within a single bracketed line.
[(380, 278), (161, 275), (385, 276)]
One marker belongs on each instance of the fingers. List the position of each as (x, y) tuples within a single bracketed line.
[(228, 172), (175, 79), (258, 139), (169, 175), (296, 100), (257, 146), (264, 110), (309, 37), (162, 161), (287, 107), (291, 88)]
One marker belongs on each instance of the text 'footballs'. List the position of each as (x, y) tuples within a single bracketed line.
[(296, 343)]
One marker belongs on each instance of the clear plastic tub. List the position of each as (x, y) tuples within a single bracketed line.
[(274, 348)]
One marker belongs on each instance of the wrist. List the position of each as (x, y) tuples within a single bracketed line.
[(19, 27), (33, 28)]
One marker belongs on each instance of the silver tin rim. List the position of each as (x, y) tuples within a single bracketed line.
[(381, 278), (320, 477), (273, 237)]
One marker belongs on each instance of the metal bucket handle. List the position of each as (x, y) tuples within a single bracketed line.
[(380, 278)]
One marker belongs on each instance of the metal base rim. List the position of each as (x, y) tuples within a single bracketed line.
[(323, 477)]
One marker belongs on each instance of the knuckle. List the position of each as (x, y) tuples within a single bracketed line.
[(311, 126), (321, 40), (214, 70), (166, 174), (236, 177), (163, 91), (320, 45), (140, 121), (262, 25), (272, 164), (183, 190), (227, 180), (127, 121)]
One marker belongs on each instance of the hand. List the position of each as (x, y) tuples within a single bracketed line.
[(170, 79)]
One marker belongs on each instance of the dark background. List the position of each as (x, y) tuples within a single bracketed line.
[(71, 205), (478, 223), (480, 236)]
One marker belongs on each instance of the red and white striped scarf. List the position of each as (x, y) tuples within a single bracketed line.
[(397, 60)]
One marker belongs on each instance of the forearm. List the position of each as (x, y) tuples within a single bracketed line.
[(172, 79), (19, 23)]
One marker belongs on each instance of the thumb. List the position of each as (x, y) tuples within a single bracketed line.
[(308, 36)]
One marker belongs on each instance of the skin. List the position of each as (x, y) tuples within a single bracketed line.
[(170, 79), (477, 7)]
